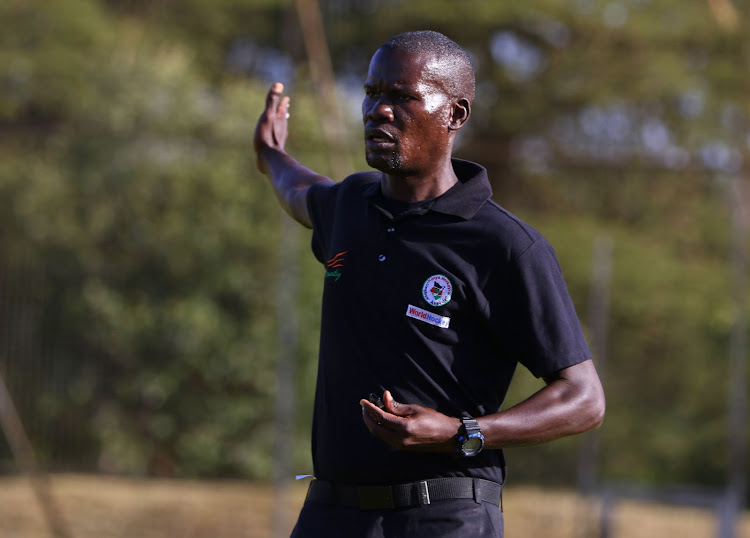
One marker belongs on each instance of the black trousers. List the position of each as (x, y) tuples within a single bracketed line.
[(456, 518)]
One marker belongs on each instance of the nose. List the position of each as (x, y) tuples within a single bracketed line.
[(377, 109)]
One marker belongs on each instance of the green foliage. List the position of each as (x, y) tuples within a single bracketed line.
[(154, 239)]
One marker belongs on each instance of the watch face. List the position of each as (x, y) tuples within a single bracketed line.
[(472, 444)]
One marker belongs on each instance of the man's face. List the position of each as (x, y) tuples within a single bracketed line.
[(406, 113)]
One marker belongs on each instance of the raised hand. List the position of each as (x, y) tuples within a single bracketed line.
[(271, 130)]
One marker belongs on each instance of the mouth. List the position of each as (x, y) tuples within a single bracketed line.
[(378, 138)]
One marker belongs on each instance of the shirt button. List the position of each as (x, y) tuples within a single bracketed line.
[(391, 229), (381, 258)]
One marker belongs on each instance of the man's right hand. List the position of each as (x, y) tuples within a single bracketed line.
[(272, 130), (290, 179)]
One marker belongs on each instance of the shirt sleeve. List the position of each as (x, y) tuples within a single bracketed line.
[(540, 324)]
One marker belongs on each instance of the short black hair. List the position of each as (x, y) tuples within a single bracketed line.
[(460, 76)]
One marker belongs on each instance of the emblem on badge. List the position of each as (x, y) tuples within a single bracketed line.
[(437, 290)]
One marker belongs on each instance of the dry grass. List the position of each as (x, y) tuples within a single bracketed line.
[(108, 507)]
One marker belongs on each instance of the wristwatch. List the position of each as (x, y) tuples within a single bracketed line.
[(470, 438)]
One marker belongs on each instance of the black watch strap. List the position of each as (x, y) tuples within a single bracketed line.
[(471, 426)]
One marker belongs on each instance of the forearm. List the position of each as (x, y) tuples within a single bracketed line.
[(290, 180), (571, 402), (560, 409)]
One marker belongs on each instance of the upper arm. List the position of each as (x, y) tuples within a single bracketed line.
[(298, 202), (582, 373), (296, 206), (291, 182)]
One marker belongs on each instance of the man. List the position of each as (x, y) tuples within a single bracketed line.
[(433, 293)]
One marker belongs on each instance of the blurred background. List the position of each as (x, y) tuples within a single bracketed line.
[(159, 313)]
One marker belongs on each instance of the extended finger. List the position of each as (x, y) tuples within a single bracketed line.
[(272, 99), (283, 111)]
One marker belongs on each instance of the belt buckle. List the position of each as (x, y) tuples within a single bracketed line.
[(424, 493), (375, 498)]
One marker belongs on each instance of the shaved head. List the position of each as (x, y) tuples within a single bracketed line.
[(457, 71)]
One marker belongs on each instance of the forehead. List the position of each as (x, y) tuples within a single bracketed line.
[(393, 67)]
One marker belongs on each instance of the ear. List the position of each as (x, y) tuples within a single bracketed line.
[(460, 112)]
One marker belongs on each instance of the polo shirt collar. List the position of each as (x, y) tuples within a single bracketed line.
[(462, 200)]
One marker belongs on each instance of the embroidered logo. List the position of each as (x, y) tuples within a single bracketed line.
[(334, 265), (437, 290), (428, 317)]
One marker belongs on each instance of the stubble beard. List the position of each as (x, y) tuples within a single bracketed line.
[(388, 164)]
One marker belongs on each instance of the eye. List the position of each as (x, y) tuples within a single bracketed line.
[(371, 93)]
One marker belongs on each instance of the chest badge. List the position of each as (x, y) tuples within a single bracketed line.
[(334, 265), (437, 290)]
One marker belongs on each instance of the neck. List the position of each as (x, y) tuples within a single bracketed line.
[(418, 187)]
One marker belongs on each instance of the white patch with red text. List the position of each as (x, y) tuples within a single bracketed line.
[(428, 317)]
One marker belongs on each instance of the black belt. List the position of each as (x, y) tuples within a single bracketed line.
[(405, 495)]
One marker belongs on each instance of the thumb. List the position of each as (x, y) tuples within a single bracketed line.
[(394, 407)]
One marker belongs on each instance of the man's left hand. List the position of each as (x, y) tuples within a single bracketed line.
[(410, 426)]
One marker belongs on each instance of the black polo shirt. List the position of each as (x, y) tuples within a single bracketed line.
[(436, 303)]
